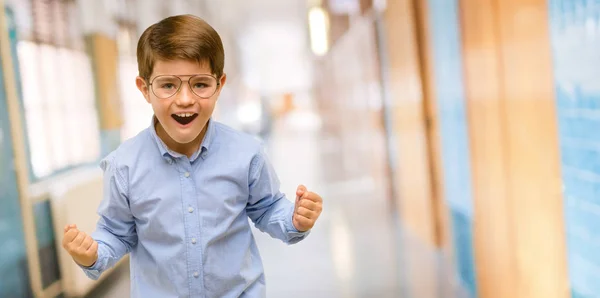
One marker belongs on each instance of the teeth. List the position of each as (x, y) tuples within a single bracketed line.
[(185, 114)]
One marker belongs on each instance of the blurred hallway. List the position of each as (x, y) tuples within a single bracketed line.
[(454, 142)]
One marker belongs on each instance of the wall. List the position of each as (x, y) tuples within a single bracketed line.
[(450, 100), (14, 274), (409, 130), (518, 204), (575, 33)]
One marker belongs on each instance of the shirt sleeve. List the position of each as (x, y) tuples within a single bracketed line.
[(115, 231), (267, 207)]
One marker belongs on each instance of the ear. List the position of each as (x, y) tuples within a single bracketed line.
[(222, 82), (143, 87)]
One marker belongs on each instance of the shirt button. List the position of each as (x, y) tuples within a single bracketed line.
[(187, 174), (196, 274), (193, 240), (190, 210)]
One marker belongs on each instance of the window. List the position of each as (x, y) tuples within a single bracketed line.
[(57, 90)]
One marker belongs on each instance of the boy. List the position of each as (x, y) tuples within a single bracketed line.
[(177, 196)]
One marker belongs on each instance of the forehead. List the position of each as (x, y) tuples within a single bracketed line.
[(180, 67)]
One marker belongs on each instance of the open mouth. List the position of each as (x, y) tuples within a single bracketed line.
[(184, 118)]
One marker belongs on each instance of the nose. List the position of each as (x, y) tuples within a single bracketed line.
[(185, 96)]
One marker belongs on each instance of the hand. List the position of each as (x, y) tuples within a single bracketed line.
[(307, 210), (80, 246)]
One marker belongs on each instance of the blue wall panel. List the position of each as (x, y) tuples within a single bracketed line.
[(448, 80), (575, 36), (14, 275), (46, 243)]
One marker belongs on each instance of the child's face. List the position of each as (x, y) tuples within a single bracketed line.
[(183, 96)]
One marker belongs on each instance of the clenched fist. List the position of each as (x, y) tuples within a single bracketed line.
[(80, 246), (308, 208)]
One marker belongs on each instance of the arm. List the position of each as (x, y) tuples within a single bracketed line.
[(267, 207), (115, 232)]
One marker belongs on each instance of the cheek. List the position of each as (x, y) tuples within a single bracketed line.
[(161, 111), (207, 106), (159, 107)]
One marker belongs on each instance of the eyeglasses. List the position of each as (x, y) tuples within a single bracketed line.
[(202, 85)]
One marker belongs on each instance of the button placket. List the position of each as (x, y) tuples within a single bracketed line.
[(195, 269)]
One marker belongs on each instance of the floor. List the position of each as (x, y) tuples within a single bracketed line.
[(356, 249)]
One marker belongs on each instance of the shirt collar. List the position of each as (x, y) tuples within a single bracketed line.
[(167, 153)]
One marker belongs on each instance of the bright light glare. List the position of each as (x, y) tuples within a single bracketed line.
[(249, 112), (318, 23)]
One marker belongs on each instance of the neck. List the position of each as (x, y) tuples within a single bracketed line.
[(187, 149)]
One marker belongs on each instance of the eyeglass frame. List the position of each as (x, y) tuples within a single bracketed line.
[(188, 82)]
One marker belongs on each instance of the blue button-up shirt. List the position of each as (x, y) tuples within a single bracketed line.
[(185, 220)]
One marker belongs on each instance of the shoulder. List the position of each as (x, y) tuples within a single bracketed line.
[(240, 147), (226, 136), (127, 154)]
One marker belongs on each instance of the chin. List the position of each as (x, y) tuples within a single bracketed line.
[(184, 138)]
